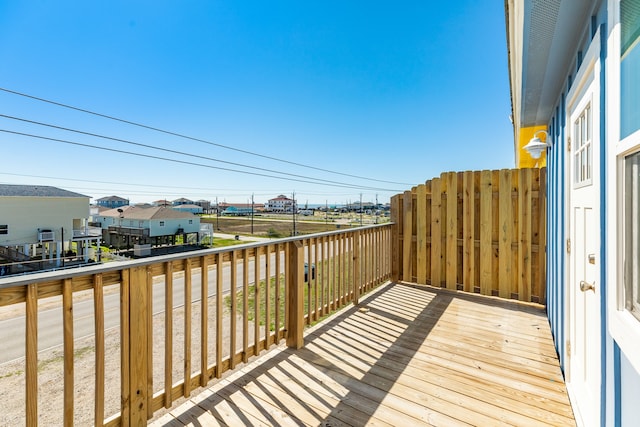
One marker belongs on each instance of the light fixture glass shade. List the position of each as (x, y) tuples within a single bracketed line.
[(535, 147)]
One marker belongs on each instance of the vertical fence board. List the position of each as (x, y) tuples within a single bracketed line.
[(486, 249), (505, 238), (407, 237), (436, 231), (524, 244), (468, 240), (542, 236), (452, 231), (421, 230)]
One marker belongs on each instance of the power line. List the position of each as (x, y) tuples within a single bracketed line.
[(167, 150), (114, 150), (59, 104), (229, 191)]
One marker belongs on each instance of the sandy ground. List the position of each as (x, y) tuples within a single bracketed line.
[(50, 371)]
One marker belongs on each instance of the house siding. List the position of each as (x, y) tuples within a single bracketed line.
[(620, 381)]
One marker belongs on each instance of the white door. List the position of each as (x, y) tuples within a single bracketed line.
[(584, 290)]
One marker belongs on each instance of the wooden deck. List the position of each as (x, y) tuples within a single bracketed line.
[(406, 356)]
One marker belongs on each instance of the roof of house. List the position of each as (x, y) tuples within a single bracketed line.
[(154, 212), (112, 199), (9, 190), (182, 199), (187, 207)]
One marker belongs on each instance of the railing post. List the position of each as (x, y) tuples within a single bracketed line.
[(139, 305), (356, 267), (295, 295)]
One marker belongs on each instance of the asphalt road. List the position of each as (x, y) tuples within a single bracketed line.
[(50, 326)]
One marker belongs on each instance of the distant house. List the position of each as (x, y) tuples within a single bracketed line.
[(257, 207), (182, 201), (194, 209), (162, 202), (204, 204), (234, 211), (112, 202), (280, 204), (157, 225), (39, 225)]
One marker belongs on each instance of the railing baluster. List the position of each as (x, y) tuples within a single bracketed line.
[(125, 352), (187, 327), (245, 305), (219, 296), (168, 334), (149, 291), (234, 284), (267, 296), (98, 309), (204, 319), (295, 274), (307, 244), (277, 296), (67, 316), (315, 280), (256, 301), (31, 352)]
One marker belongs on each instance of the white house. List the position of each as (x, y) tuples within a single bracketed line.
[(38, 224), (139, 225), (280, 204), (575, 86)]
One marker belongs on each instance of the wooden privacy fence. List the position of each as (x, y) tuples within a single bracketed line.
[(481, 232), (168, 340)]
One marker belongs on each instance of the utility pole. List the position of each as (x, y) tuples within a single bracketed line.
[(217, 215), (252, 213), (377, 208), (293, 211), (326, 212), (360, 209)]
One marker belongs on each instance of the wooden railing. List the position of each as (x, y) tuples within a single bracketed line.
[(480, 232), (165, 349)]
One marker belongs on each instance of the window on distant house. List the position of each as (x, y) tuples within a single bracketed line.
[(629, 67), (190, 221), (4, 229), (161, 223), (632, 231)]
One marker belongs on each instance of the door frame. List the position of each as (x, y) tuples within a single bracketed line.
[(586, 85)]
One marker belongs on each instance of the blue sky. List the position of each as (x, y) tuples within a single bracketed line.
[(393, 91)]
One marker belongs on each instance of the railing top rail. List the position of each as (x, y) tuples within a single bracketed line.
[(13, 281)]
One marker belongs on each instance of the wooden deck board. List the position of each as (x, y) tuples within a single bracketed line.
[(408, 355)]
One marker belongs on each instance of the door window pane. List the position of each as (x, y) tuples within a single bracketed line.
[(632, 233)]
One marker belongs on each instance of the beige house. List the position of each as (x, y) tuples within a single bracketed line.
[(43, 227)]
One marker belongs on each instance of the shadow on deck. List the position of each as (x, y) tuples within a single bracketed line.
[(407, 355)]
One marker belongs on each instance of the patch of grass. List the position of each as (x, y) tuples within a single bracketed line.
[(11, 374), (58, 359), (309, 290)]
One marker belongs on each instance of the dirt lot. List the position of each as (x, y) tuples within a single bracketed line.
[(281, 227)]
